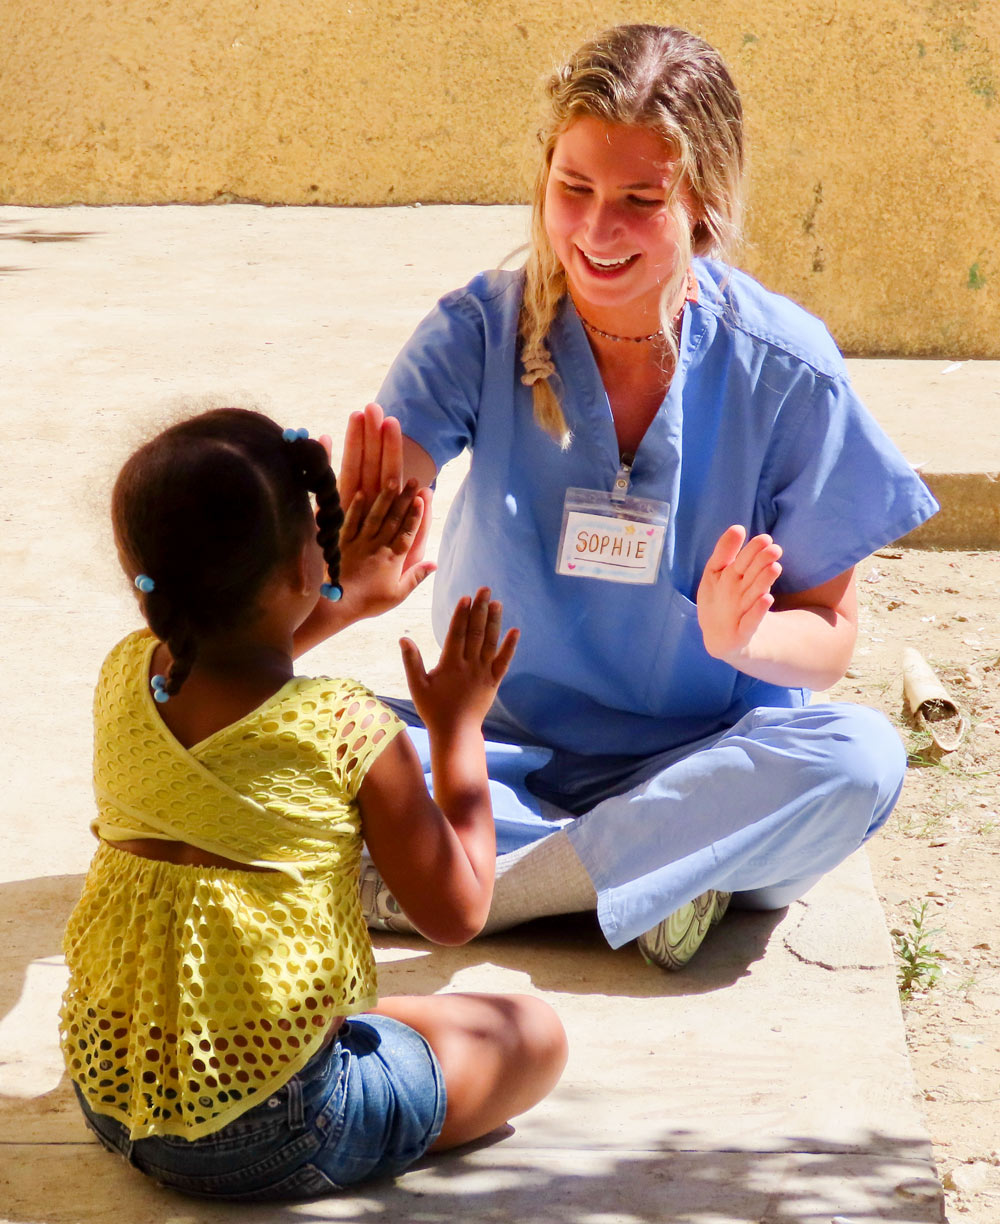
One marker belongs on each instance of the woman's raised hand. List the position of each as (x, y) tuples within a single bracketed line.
[(734, 594), (373, 454), (372, 460), (473, 662)]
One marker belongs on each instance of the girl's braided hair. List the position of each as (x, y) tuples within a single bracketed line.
[(209, 509)]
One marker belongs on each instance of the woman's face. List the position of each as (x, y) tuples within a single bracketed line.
[(606, 216)]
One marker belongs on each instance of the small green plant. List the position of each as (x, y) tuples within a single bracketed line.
[(966, 984), (922, 825), (919, 961)]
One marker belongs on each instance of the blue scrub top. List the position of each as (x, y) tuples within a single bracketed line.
[(760, 426)]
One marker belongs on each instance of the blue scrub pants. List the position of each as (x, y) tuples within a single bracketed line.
[(762, 809)]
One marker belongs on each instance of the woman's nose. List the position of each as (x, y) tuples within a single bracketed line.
[(603, 222)]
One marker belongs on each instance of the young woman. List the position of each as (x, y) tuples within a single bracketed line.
[(671, 482)]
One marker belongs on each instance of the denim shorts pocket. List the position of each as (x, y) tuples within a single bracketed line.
[(110, 1134)]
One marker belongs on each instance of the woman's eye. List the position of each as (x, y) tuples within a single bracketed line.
[(643, 202), (574, 188)]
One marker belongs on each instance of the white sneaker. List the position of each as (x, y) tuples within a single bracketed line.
[(379, 907)]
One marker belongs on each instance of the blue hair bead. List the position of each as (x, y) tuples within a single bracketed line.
[(161, 695), (331, 591), (158, 682), (293, 435), (144, 583)]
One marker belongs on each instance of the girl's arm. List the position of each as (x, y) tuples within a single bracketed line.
[(799, 640), (437, 856)]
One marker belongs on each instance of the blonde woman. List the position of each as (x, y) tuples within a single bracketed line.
[(671, 483)]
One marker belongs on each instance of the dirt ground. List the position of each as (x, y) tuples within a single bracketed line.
[(937, 862)]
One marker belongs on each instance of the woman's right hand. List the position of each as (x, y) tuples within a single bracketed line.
[(373, 454), (473, 662), (372, 459)]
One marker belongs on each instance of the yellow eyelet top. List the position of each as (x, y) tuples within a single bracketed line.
[(194, 991)]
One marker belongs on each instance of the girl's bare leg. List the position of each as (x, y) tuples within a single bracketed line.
[(500, 1054)]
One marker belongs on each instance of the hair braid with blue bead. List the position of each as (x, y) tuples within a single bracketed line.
[(318, 478)]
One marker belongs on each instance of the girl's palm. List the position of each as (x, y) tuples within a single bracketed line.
[(473, 662)]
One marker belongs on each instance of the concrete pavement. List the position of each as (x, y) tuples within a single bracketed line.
[(768, 1082)]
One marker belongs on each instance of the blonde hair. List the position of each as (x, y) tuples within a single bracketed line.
[(676, 84)]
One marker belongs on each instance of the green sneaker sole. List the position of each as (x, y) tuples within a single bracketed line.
[(672, 942)]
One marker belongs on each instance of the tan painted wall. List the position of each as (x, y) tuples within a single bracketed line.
[(874, 126)]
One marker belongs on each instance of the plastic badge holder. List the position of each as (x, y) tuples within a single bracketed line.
[(612, 538)]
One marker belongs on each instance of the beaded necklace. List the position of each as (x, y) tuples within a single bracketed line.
[(591, 327), (597, 331)]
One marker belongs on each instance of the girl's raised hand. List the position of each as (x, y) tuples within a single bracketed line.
[(375, 546), (438, 855), (734, 594), (375, 542), (473, 662)]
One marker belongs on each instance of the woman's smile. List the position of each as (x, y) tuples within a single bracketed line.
[(602, 266)]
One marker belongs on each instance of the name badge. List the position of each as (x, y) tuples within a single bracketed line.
[(613, 538)]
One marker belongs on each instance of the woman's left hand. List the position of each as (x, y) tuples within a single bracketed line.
[(734, 594)]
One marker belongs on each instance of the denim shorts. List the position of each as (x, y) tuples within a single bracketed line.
[(367, 1105)]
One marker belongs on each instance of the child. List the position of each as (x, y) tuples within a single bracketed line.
[(221, 1024), (653, 745)]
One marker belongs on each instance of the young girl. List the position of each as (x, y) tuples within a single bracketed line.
[(671, 483), (221, 1025)]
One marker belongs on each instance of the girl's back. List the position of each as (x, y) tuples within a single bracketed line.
[(260, 959)]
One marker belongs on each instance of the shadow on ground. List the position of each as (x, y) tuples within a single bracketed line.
[(567, 955), (33, 916), (578, 1169), (35, 236), (663, 1183)]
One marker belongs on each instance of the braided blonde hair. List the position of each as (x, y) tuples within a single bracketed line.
[(674, 83)]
